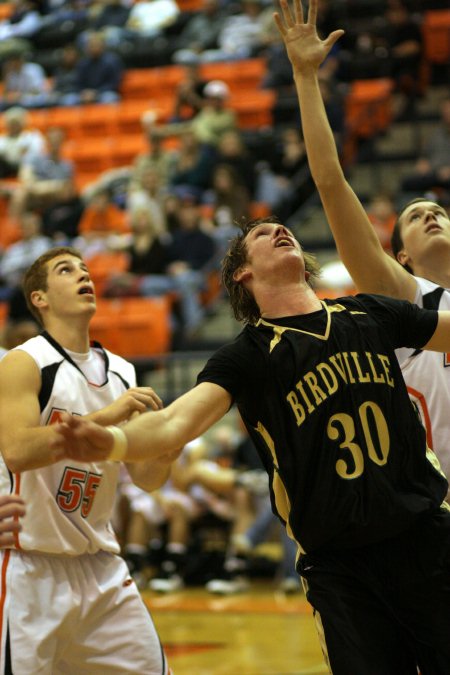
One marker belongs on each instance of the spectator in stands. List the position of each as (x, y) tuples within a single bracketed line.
[(18, 144), (101, 224), (65, 76), (215, 118), (241, 35), (432, 169), (191, 252), (194, 164), (402, 38), (147, 252), (200, 33), (149, 18), (230, 201), (24, 83), (189, 95), (19, 256), (157, 158), (383, 216), (60, 220), (24, 20), (99, 74), (232, 151), (148, 193), (110, 19), (43, 178)]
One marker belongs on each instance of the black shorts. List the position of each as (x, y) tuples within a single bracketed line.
[(384, 609)]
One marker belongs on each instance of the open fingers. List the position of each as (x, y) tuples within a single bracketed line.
[(312, 12)]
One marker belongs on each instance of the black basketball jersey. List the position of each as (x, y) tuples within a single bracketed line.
[(324, 401)]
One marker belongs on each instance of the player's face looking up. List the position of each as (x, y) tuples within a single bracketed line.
[(422, 226)]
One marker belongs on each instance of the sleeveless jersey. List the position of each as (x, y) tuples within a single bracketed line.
[(69, 503), (324, 401), (427, 375)]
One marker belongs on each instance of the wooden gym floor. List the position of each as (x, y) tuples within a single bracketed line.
[(260, 632)]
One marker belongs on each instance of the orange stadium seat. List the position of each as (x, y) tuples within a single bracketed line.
[(133, 327), (253, 108), (244, 74), (150, 83), (436, 36), (69, 119), (102, 265), (6, 9), (368, 108), (99, 120), (126, 147), (94, 155)]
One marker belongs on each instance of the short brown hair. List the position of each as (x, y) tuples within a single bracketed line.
[(35, 278), (242, 302)]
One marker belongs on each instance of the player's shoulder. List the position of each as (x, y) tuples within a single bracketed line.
[(120, 365), (431, 295)]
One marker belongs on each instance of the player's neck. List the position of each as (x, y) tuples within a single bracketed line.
[(288, 301), (72, 336), (437, 274)]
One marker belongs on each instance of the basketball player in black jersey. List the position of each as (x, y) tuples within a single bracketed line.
[(321, 393)]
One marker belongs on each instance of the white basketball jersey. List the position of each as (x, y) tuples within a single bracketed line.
[(69, 504), (427, 375)]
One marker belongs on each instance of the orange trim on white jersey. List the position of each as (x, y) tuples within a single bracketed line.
[(3, 592), (425, 413)]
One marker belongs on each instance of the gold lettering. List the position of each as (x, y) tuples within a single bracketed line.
[(317, 392), (362, 377), (301, 389), (387, 368), (297, 407), (347, 365), (339, 366), (328, 377), (377, 377)]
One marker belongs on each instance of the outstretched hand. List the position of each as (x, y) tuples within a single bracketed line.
[(303, 46)]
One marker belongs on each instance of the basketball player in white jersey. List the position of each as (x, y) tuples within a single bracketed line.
[(68, 604), (420, 271)]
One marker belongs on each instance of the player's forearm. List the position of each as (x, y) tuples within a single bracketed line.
[(356, 240), (30, 449)]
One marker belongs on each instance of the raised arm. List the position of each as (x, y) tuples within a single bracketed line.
[(153, 435), (358, 245)]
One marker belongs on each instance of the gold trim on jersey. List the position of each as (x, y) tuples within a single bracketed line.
[(279, 330), (282, 503)]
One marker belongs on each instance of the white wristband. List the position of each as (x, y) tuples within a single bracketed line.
[(120, 445)]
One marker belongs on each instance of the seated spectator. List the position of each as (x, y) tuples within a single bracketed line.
[(60, 221), (230, 202), (19, 256), (215, 118), (24, 83), (149, 18), (19, 144), (194, 164), (156, 157), (98, 75), (200, 33), (148, 193), (383, 216), (189, 95), (147, 253), (432, 169), (43, 178), (241, 35), (110, 19), (101, 225), (65, 75), (232, 150), (190, 252), (24, 20), (402, 37)]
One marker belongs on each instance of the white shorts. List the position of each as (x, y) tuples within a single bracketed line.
[(77, 616)]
